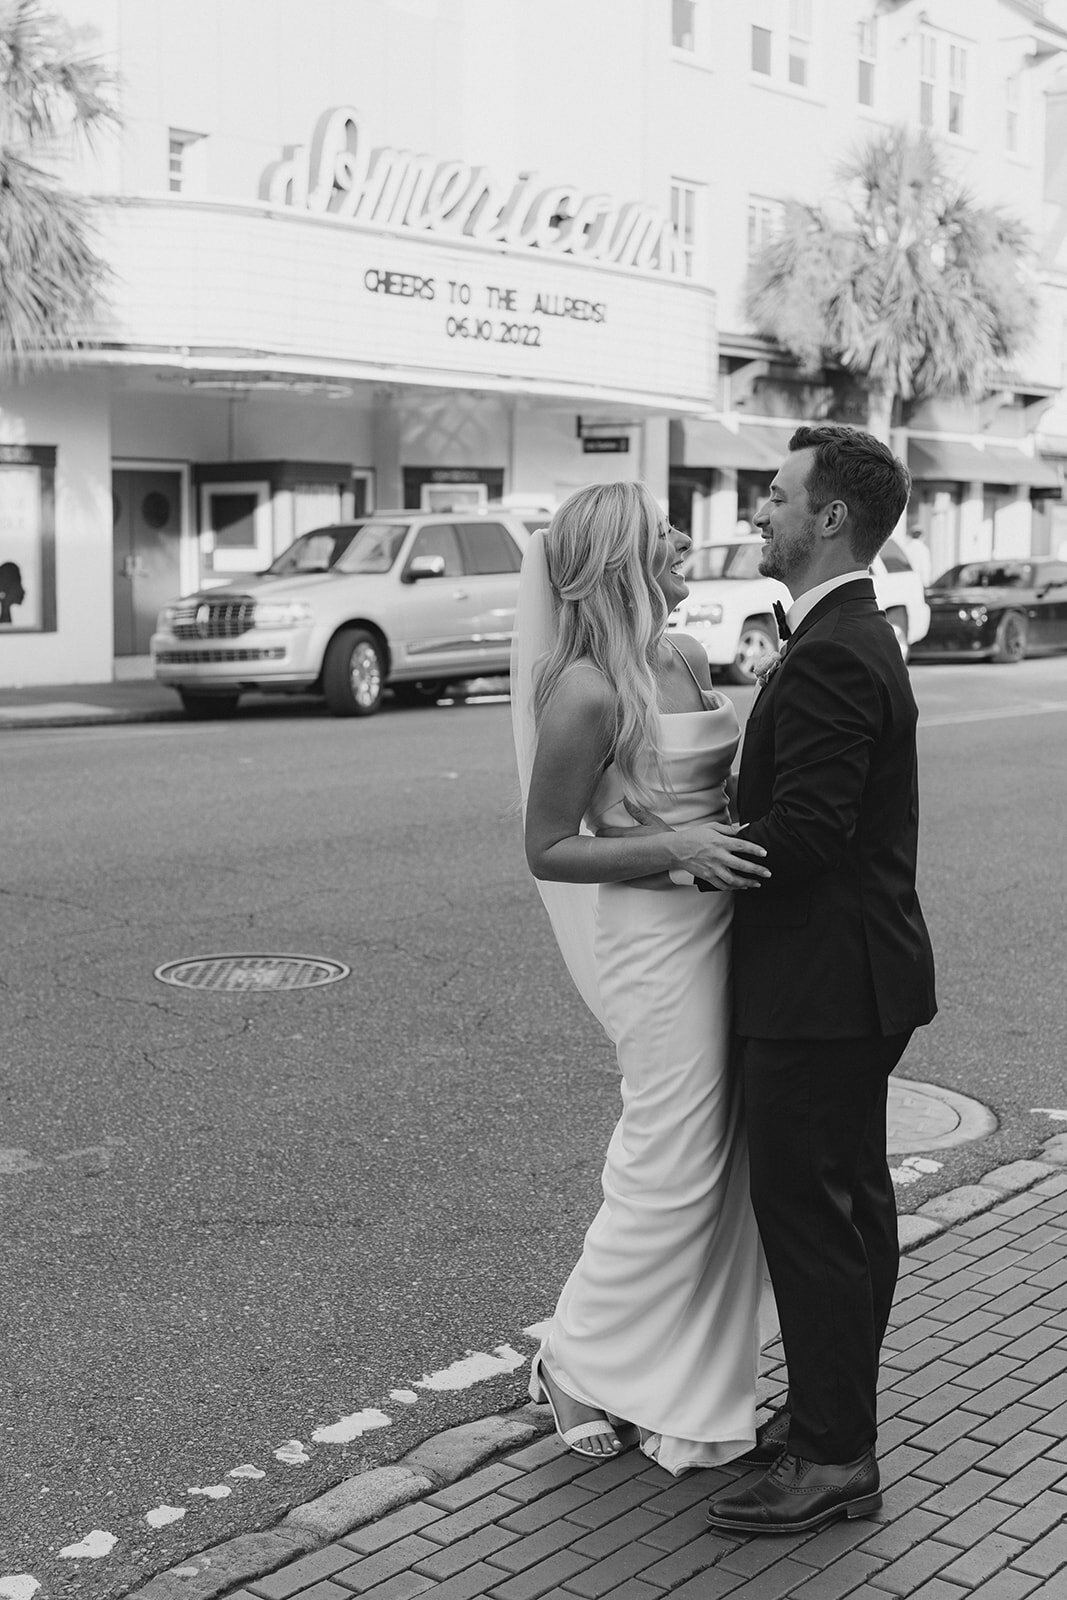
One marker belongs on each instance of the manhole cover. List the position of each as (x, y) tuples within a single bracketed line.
[(251, 974)]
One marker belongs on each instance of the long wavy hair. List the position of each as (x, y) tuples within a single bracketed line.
[(601, 552)]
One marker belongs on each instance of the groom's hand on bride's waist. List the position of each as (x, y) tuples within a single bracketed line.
[(711, 851)]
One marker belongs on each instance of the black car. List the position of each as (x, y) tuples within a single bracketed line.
[(997, 611)]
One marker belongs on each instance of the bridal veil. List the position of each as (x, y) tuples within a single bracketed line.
[(571, 907)]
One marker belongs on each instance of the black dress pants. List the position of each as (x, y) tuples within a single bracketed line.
[(824, 1203)]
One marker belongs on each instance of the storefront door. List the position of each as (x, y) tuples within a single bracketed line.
[(147, 512)]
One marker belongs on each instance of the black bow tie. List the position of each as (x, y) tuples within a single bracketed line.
[(784, 630)]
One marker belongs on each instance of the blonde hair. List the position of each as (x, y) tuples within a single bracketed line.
[(601, 552)]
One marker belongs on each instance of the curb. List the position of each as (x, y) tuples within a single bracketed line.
[(102, 718), (447, 1456), (432, 1465)]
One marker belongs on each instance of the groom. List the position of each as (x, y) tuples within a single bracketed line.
[(832, 972)]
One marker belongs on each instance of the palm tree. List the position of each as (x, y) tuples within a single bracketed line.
[(918, 290), (51, 278)]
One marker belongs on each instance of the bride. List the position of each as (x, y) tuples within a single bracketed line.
[(658, 1325)]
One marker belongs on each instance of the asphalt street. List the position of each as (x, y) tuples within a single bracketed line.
[(233, 1220)]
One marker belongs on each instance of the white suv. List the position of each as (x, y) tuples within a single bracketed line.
[(729, 605), (406, 598)]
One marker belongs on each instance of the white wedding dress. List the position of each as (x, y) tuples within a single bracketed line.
[(659, 1324)]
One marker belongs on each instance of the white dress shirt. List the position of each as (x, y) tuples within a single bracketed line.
[(810, 598)]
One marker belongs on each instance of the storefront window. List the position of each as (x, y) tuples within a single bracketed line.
[(27, 539)]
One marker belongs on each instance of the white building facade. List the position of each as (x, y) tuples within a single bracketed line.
[(433, 252)]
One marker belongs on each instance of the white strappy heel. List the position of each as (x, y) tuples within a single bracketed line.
[(573, 1437)]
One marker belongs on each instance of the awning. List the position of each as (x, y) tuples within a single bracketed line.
[(959, 462), (756, 445)]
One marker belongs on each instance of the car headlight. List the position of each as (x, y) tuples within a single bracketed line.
[(978, 614), (281, 613), (711, 612)]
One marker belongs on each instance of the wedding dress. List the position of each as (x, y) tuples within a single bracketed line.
[(659, 1322)]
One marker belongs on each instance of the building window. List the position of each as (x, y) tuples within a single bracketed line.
[(868, 52), (927, 79), (764, 222), (957, 87), (685, 220), (799, 41), (183, 160), (1012, 106), (781, 35), (684, 25)]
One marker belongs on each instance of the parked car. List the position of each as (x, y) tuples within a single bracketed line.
[(409, 599), (533, 514), (729, 604), (998, 610)]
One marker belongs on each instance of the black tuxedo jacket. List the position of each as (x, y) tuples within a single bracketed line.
[(834, 944)]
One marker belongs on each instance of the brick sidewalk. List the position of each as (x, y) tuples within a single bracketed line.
[(972, 1450)]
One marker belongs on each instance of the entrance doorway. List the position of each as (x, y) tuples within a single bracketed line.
[(147, 521)]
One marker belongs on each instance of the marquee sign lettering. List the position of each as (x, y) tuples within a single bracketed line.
[(344, 176)]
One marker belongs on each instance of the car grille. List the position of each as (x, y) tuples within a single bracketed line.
[(182, 658), (213, 619)]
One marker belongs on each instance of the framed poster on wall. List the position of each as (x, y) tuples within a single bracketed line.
[(27, 539)]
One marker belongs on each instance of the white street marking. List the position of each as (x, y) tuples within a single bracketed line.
[(18, 1586), (163, 1516), (404, 1397), (351, 1427), (912, 1168), (93, 1546), (246, 1471), (214, 1491), (473, 1368), (15, 1162), (292, 1453), (1047, 1111), (1041, 709)]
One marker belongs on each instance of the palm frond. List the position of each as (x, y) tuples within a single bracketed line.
[(923, 292), (51, 277), (48, 83)]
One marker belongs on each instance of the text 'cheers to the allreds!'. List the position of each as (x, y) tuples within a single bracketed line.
[(466, 323)]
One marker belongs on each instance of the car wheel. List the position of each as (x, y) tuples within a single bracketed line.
[(756, 643), (898, 621), (353, 674), (207, 707), (1010, 642), (424, 692)]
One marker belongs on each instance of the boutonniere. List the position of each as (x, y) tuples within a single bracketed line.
[(767, 668)]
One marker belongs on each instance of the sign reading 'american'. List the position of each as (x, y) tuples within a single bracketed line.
[(345, 176)]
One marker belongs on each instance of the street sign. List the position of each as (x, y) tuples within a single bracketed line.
[(608, 444)]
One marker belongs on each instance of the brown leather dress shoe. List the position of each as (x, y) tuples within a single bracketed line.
[(796, 1496), (772, 1437)]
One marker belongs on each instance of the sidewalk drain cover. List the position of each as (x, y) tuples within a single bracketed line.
[(251, 974)]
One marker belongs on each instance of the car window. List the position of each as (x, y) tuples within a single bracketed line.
[(374, 548), (707, 562), (314, 552), (723, 561), (993, 575), (744, 562), (894, 557), (439, 539), (1055, 573), (488, 547)]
